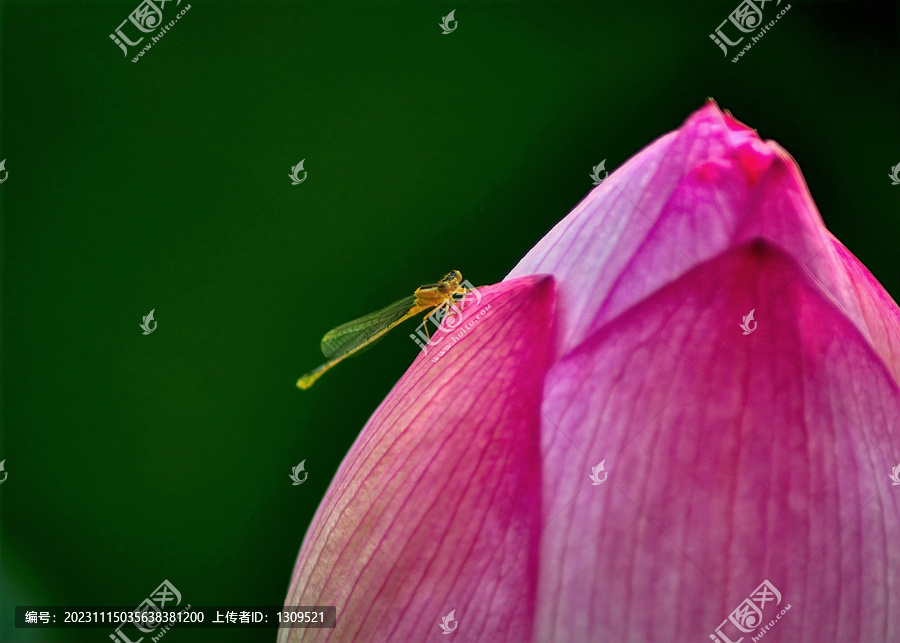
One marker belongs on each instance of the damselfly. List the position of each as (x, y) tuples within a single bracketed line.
[(350, 338)]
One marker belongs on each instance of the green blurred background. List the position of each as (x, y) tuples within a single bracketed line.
[(163, 185)]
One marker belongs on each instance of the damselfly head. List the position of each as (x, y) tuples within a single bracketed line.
[(450, 283), (453, 277)]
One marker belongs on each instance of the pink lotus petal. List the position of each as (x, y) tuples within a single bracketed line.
[(731, 460), (437, 505), (686, 198), (863, 300)]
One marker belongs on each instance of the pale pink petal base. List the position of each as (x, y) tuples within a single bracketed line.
[(437, 505), (732, 459)]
